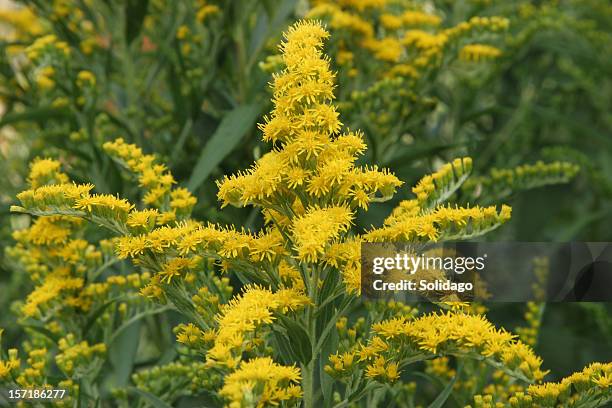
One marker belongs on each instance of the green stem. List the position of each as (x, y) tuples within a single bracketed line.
[(308, 369), (308, 384)]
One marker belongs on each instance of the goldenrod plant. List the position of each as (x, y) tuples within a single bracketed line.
[(268, 316)]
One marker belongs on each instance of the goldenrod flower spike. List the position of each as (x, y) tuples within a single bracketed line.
[(590, 387), (313, 162), (500, 183)]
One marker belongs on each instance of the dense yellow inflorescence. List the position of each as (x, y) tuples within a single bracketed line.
[(242, 316), (589, 387), (261, 380)]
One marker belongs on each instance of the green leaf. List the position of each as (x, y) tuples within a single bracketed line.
[(299, 341), (42, 330), (96, 314), (325, 313), (231, 130), (135, 12), (282, 345), (122, 353), (327, 381), (446, 392), (135, 318), (151, 399), (40, 114)]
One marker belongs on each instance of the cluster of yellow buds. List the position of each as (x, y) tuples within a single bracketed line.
[(205, 10), (500, 183), (11, 365), (341, 364), (174, 203), (48, 45), (436, 188), (533, 318), (177, 379), (46, 171), (35, 371), (479, 52), (77, 356), (192, 336), (207, 303)]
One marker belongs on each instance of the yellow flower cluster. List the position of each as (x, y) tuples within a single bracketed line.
[(205, 10), (589, 387), (7, 367), (316, 228), (54, 259), (53, 285), (36, 368), (53, 196), (77, 200), (22, 20), (433, 189), (239, 320), (46, 171), (424, 218), (50, 251), (533, 317), (47, 231), (155, 179), (104, 206), (458, 334), (478, 52), (47, 44), (409, 18), (261, 382), (442, 223), (592, 383), (73, 356), (309, 188), (192, 336)]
